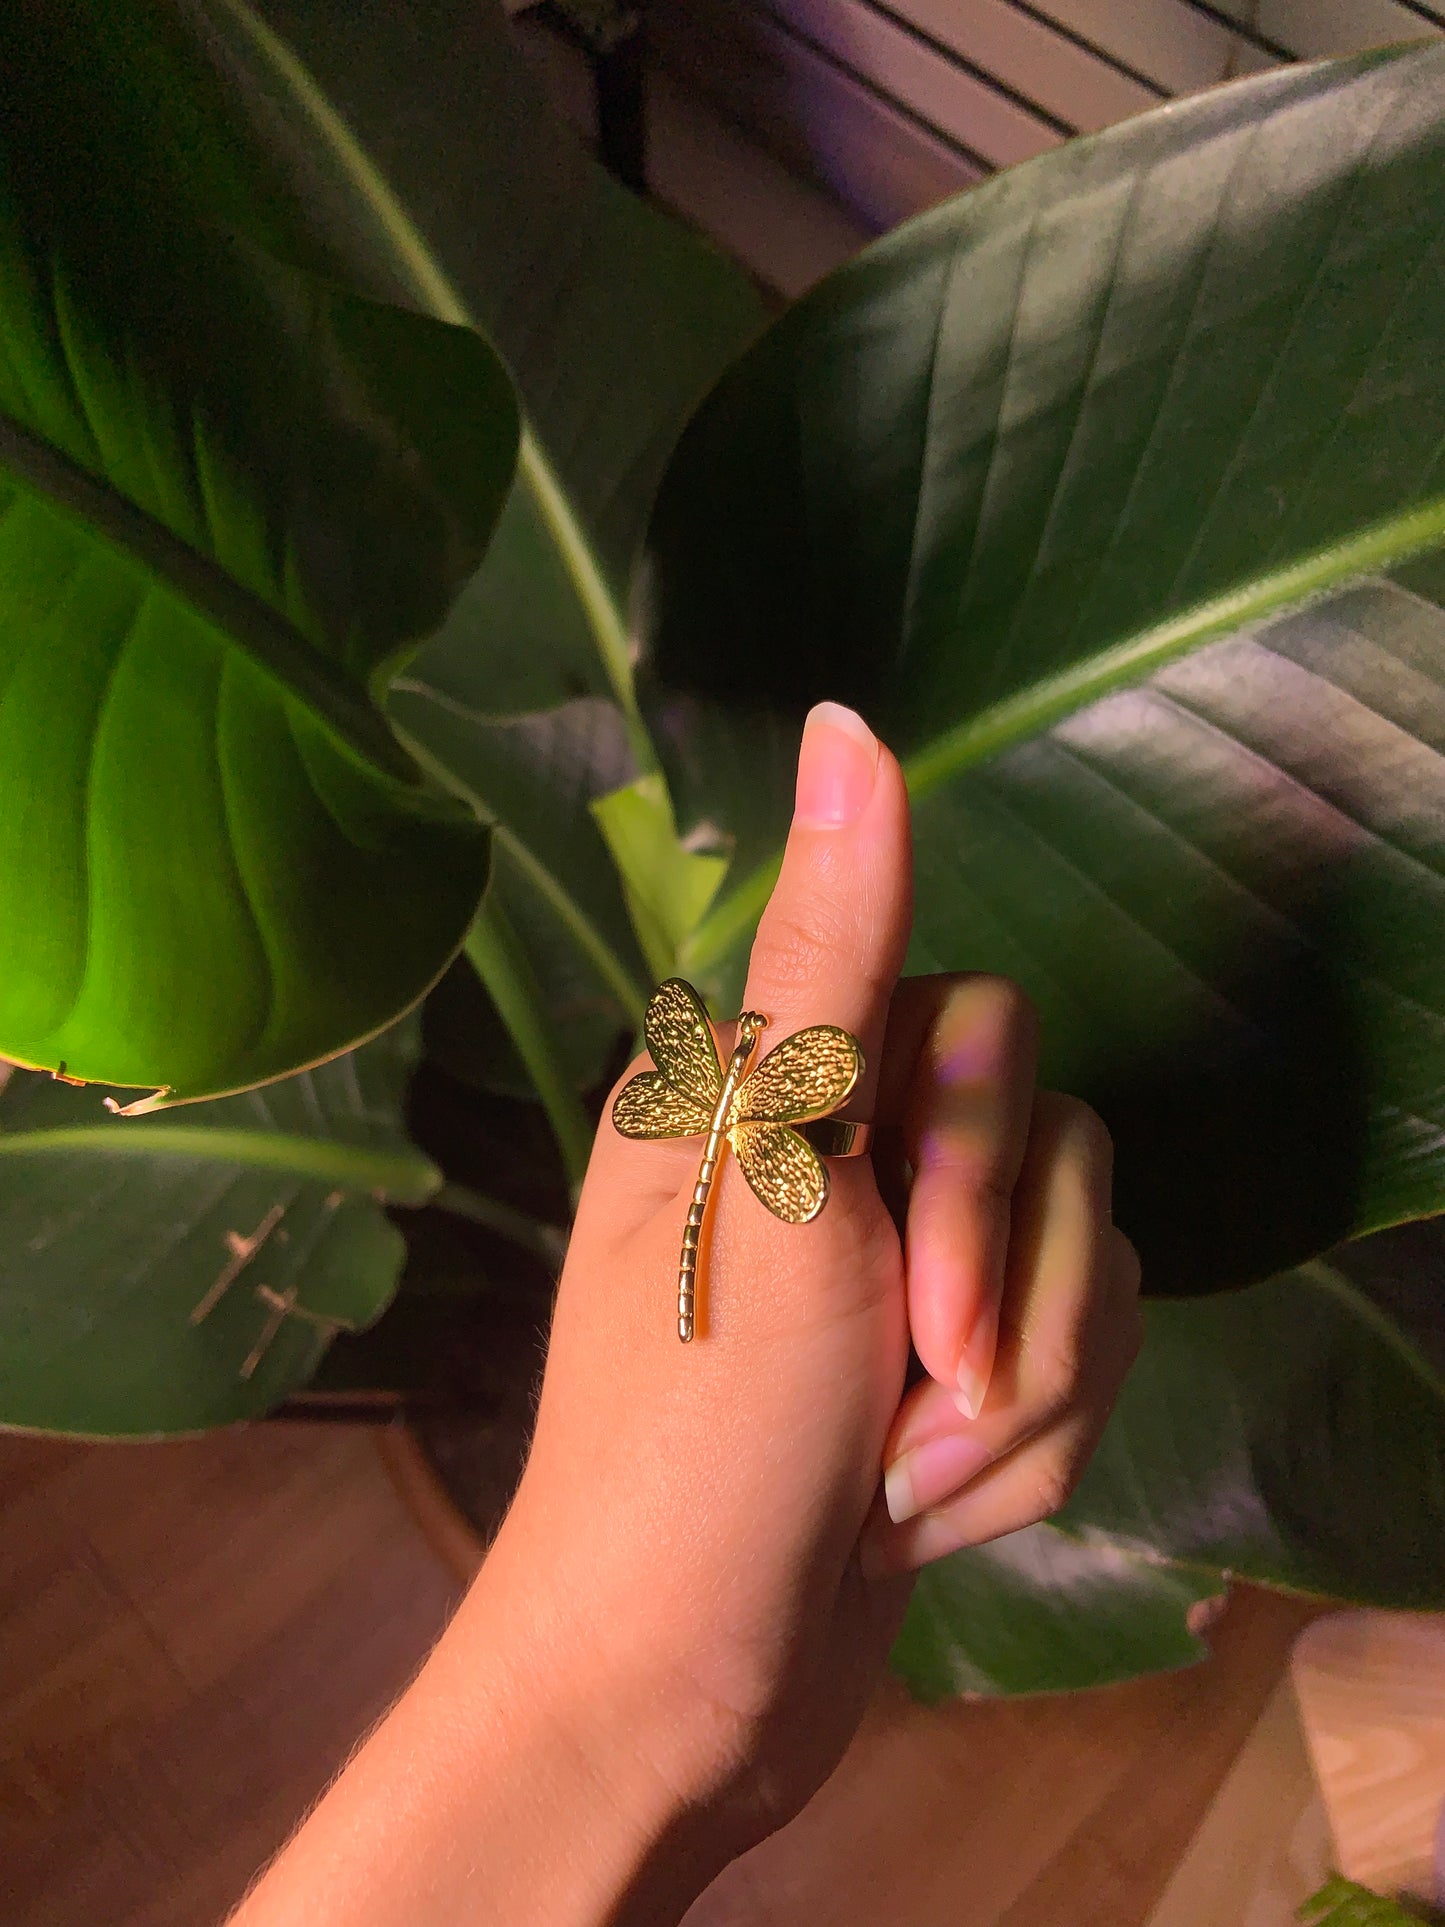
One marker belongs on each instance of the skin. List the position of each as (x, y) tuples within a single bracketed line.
[(674, 1637)]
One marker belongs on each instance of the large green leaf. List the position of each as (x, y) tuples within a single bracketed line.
[(612, 319), (532, 778), (232, 499), (1043, 1612), (1056, 437), (170, 1273), (1291, 1434)]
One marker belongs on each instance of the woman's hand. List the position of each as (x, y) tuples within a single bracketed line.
[(711, 1513), (675, 1635)]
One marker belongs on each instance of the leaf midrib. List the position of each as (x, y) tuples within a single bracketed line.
[(438, 294), (404, 1176), (250, 624), (1310, 577), (1339, 1285), (609, 965)]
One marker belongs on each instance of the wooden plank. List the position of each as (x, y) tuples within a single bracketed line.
[(806, 111), (196, 1633), (905, 69), (784, 229), (1024, 1813), (189, 1718), (1263, 1847), (1166, 40), (1371, 1689), (1069, 81), (1311, 28)]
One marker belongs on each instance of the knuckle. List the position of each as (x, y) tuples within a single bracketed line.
[(1072, 1118), (879, 1258), (797, 934), (791, 938), (955, 1160), (1054, 1483), (1057, 1371), (1127, 1268), (1013, 1004)]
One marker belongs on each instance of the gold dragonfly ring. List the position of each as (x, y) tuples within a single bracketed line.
[(775, 1116)]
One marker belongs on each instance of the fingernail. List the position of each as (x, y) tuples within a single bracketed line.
[(931, 1472), (975, 1367), (837, 767)]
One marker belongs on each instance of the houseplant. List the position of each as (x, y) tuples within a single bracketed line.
[(1108, 492)]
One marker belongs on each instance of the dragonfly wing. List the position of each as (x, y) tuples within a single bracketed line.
[(807, 1075), (682, 1044), (783, 1169), (648, 1106)]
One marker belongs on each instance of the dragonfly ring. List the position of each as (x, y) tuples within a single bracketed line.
[(774, 1116)]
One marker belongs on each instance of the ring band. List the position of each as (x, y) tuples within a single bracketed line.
[(837, 1137)]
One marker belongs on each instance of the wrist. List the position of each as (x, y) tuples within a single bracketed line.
[(615, 1794)]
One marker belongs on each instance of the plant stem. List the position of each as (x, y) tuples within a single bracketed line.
[(502, 965), (438, 295), (545, 1241), (291, 660), (400, 1176), (1032, 710), (609, 966), (604, 616)]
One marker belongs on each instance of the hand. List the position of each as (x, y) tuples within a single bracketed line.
[(675, 1634), (709, 1515)]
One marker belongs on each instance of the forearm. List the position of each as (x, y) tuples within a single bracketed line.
[(510, 1783)]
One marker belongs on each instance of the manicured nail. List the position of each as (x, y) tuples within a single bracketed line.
[(932, 1472), (975, 1367), (837, 768)]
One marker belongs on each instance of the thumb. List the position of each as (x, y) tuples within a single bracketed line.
[(832, 939)]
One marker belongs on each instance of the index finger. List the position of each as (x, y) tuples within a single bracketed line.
[(967, 1047)]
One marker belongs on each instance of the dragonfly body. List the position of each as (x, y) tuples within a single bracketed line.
[(753, 1110), (749, 1024)]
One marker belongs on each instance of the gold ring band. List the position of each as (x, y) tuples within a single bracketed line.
[(837, 1137)]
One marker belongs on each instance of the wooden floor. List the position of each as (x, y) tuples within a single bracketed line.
[(193, 1635)]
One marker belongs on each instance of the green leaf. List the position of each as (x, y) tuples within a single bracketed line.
[(1225, 892), (1027, 480), (232, 500), (1344, 1903), (668, 887), (148, 1265), (533, 779), (1043, 1612), (1291, 1434), (612, 319)]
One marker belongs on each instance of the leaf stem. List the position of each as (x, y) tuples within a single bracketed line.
[(604, 615), (435, 291), (401, 1176), (1307, 579), (1028, 712), (1339, 1285), (501, 963), (545, 1241), (610, 967), (287, 656)]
